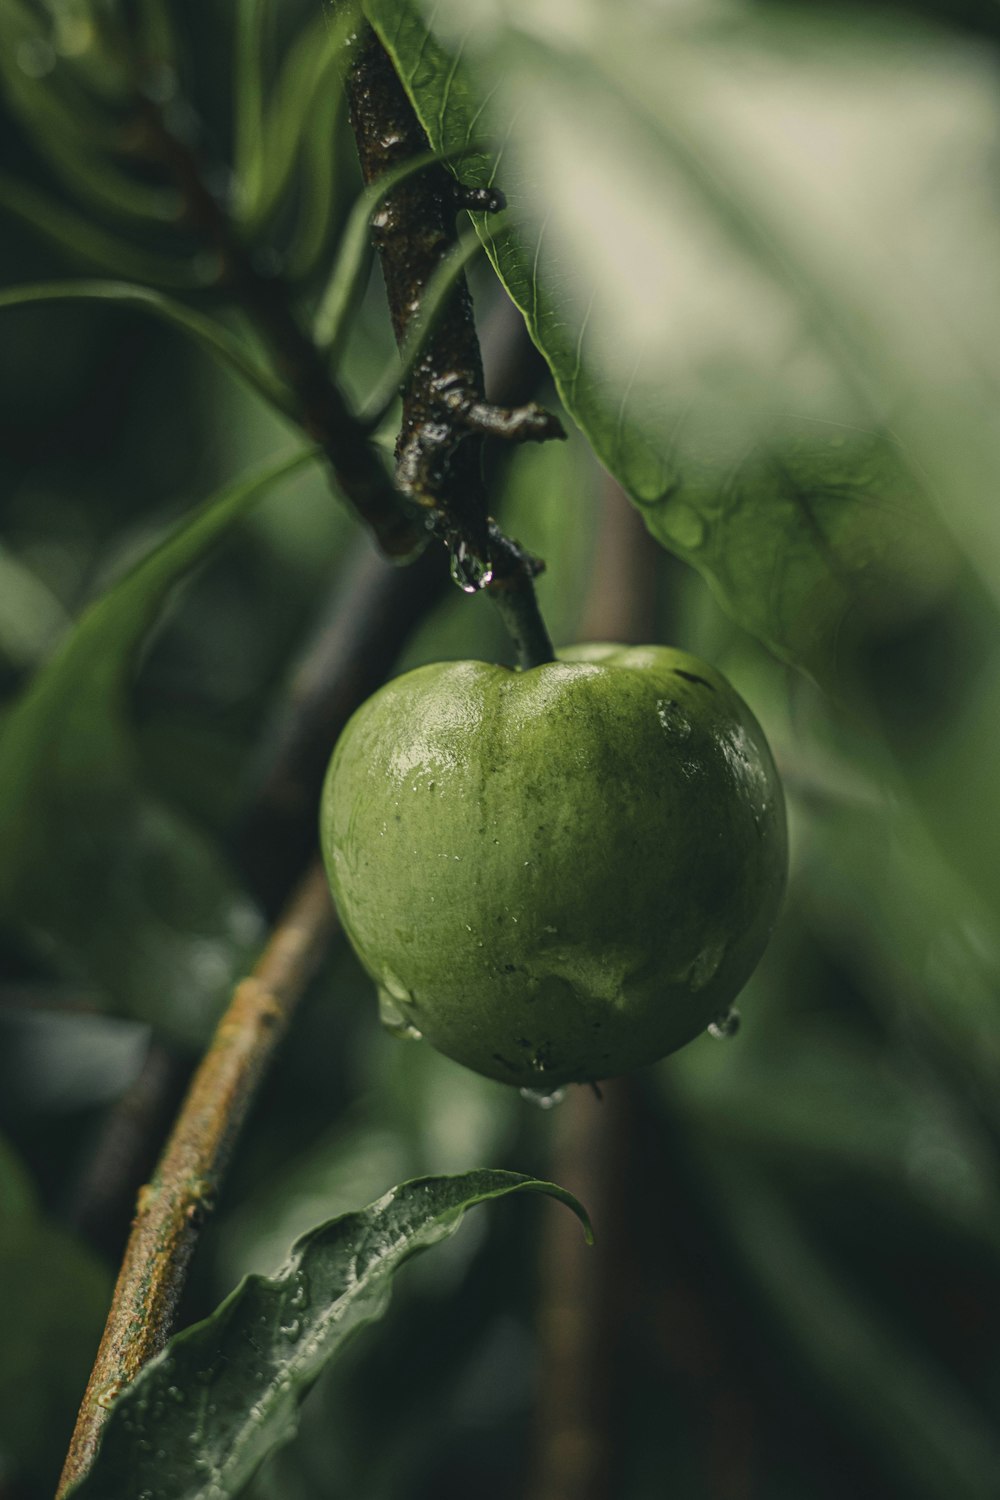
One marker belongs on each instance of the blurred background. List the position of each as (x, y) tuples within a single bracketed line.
[(796, 1287)]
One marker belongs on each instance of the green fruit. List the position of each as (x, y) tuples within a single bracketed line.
[(561, 874)]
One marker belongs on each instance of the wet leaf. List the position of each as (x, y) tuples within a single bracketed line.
[(101, 881), (224, 1394), (717, 353)]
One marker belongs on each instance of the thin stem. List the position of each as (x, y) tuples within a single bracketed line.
[(512, 590), (184, 1187)]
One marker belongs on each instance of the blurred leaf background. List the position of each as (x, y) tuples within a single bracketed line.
[(758, 246)]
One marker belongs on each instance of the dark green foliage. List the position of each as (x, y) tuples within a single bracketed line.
[(757, 246)]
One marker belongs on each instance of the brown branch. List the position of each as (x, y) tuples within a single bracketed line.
[(578, 1321), (183, 1190), (445, 412), (351, 653)]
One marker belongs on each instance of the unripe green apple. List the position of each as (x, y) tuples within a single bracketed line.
[(560, 874)]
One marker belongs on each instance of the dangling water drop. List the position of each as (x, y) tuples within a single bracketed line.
[(725, 1026), (470, 572), (393, 1019), (543, 1099)]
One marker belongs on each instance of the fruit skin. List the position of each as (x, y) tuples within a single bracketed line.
[(560, 874)]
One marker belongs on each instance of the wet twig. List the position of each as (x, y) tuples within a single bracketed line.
[(445, 414)]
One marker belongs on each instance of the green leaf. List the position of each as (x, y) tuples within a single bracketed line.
[(914, 1412), (272, 132), (78, 144), (202, 1416), (817, 1102), (212, 336), (924, 938), (17, 1197), (80, 239), (45, 88), (100, 880), (324, 188), (750, 426), (31, 617), (251, 27), (53, 1298)]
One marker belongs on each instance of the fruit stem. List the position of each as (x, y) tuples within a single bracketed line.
[(512, 590), (172, 1207)]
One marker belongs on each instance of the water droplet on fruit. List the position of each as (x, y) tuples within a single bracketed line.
[(673, 718), (705, 966), (725, 1026), (471, 573), (542, 1098), (396, 988), (686, 526), (393, 1019)]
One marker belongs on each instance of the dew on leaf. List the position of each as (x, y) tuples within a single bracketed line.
[(393, 1019)]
